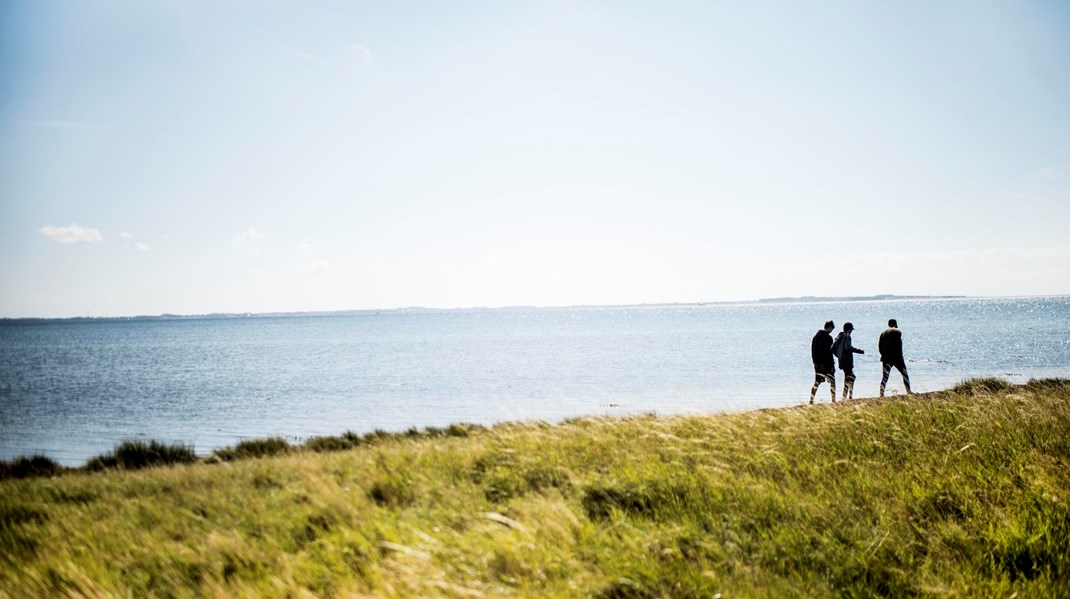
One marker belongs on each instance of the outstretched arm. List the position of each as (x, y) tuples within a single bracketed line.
[(857, 351)]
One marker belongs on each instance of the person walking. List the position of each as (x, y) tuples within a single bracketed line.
[(824, 366), (845, 352), (890, 345)]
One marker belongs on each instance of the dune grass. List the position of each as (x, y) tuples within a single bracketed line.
[(254, 448), (961, 493), (29, 466), (135, 455)]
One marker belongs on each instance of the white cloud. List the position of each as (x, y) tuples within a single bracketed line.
[(71, 234), (311, 263), (143, 247), (364, 56), (317, 266), (246, 241), (308, 56), (247, 236), (126, 235)]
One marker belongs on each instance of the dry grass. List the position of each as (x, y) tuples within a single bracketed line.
[(962, 493)]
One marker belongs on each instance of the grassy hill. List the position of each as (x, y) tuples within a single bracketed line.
[(960, 493)]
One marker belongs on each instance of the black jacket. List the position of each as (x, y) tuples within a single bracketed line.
[(890, 344), (821, 348)]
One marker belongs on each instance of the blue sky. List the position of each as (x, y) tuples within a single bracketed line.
[(193, 157)]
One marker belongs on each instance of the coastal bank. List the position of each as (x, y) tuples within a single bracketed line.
[(964, 492)]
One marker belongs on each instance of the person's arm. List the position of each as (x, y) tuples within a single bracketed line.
[(857, 350)]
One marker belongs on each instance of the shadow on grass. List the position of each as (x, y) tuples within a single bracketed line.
[(503, 478), (653, 501)]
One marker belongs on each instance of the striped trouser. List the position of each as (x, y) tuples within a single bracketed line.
[(823, 375), (887, 370), (848, 383)]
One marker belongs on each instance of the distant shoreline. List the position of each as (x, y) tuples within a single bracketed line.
[(804, 299)]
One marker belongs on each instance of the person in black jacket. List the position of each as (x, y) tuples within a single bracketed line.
[(824, 367), (890, 344), (845, 351)]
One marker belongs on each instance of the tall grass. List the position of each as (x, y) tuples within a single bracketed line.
[(982, 385), (254, 448), (134, 455), (964, 493), (29, 466)]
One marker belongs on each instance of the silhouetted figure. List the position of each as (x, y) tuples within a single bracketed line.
[(824, 366), (845, 352), (890, 344)]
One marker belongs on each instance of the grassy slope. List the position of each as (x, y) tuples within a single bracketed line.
[(962, 493)]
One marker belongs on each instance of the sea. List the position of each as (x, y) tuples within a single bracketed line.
[(73, 389)]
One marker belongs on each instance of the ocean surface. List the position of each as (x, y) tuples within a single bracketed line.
[(73, 389)]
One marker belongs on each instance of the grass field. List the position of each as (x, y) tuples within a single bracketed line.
[(962, 493)]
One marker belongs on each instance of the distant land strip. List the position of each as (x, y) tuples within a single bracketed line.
[(853, 298), (221, 315)]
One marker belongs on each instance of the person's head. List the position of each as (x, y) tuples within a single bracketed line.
[(892, 323), (848, 327), (830, 326)]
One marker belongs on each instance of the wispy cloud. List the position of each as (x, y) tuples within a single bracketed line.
[(364, 56), (71, 234), (312, 264), (247, 236), (246, 240), (127, 235), (306, 56)]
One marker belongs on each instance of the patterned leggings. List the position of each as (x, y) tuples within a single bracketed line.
[(848, 384), (887, 368), (822, 377)]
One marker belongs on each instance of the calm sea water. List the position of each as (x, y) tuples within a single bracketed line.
[(72, 390)]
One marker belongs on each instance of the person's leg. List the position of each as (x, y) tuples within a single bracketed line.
[(906, 377), (832, 383), (886, 369), (817, 383), (848, 384)]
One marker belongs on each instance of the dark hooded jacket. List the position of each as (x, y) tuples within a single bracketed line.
[(845, 351), (821, 348)]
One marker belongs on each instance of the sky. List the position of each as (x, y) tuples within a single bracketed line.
[(259, 156)]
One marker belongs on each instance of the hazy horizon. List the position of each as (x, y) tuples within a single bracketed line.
[(181, 158), (770, 301)]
